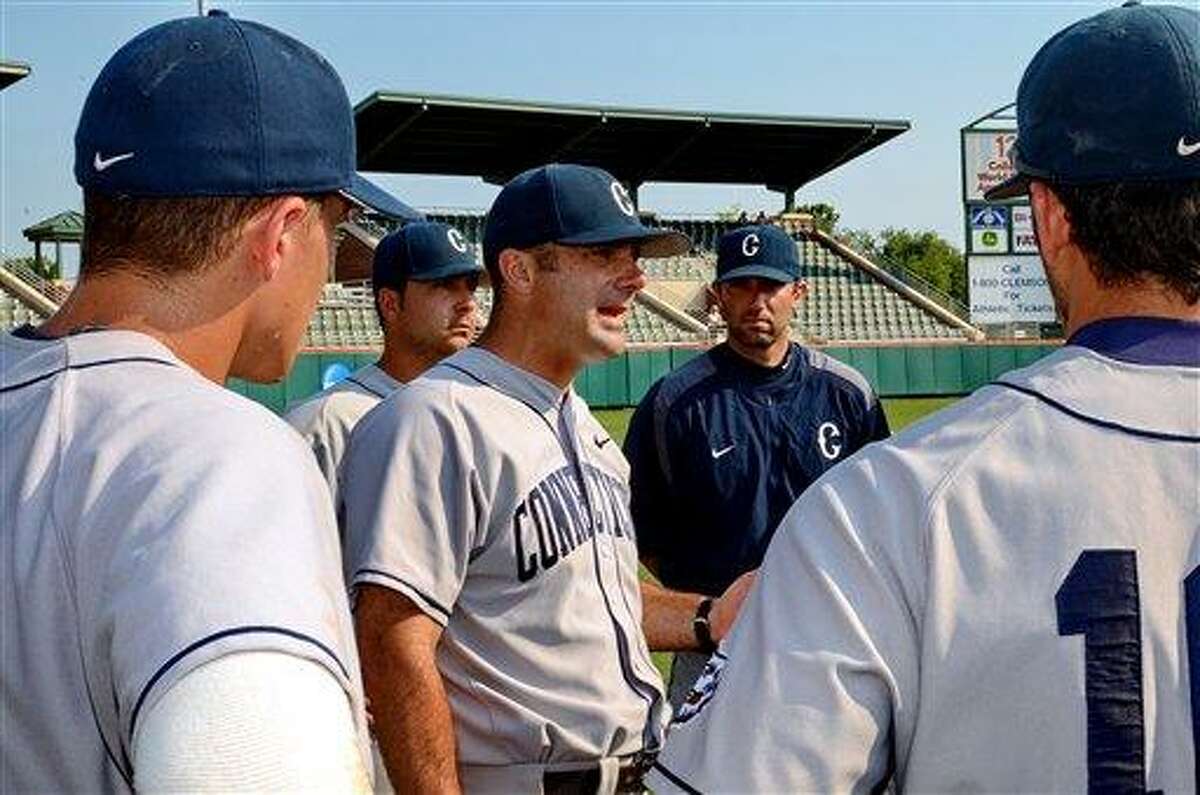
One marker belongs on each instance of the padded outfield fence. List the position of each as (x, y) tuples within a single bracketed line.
[(893, 370)]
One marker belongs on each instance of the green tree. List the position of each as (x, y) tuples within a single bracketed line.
[(927, 255), (861, 241), (731, 213), (825, 216)]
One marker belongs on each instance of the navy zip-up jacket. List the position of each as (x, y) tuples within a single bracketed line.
[(720, 449)]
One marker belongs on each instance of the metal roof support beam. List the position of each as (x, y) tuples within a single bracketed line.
[(394, 134), (853, 150), (673, 155), (789, 195), (557, 155)]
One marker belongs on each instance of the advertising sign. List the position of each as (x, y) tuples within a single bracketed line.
[(989, 230), (986, 160), (1009, 289), (1023, 241)]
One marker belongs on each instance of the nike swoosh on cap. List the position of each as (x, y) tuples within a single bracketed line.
[(101, 163), (1185, 149)]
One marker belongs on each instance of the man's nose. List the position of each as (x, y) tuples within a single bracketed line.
[(634, 278)]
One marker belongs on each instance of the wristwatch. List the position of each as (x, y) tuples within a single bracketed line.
[(701, 627)]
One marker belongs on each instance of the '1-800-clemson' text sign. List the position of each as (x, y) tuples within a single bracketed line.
[(1009, 289)]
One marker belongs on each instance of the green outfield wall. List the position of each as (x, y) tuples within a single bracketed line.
[(894, 371)]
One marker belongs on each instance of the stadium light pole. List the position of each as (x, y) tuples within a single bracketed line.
[(199, 8)]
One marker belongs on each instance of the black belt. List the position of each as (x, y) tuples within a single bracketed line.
[(587, 781)]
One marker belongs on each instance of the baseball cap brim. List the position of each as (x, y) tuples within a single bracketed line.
[(367, 194), (760, 272), (1016, 185), (447, 271), (651, 242)]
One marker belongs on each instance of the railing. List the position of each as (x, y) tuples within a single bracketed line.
[(948, 314), (913, 280), (32, 289)]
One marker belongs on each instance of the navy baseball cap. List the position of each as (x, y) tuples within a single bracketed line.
[(575, 206), (422, 252), (1112, 98), (764, 251), (216, 106)]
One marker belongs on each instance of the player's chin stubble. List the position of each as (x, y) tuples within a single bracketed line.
[(750, 338)]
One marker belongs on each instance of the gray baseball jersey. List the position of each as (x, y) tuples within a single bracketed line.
[(326, 419), (499, 506), (153, 521), (1005, 598)]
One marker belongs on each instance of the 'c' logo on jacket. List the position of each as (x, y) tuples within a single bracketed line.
[(827, 440)]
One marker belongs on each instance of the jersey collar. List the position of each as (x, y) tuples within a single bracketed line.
[(745, 370), (1143, 340), (530, 388)]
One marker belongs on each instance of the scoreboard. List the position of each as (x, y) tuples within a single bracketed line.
[(1005, 275)]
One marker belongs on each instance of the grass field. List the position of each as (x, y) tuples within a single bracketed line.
[(900, 412)]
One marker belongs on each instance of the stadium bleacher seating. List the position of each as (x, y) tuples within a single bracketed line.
[(691, 268), (345, 318), (704, 233), (845, 303)]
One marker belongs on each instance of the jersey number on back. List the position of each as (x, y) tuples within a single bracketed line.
[(1099, 600)]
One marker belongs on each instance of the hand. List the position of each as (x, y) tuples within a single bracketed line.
[(726, 607)]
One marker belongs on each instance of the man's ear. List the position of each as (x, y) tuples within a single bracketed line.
[(717, 292), (390, 302), (799, 289), (1050, 216), (272, 233), (516, 269)]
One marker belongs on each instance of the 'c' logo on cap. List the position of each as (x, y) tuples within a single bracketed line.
[(751, 244), (456, 239), (621, 197)]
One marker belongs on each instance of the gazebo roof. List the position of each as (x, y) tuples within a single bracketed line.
[(66, 227)]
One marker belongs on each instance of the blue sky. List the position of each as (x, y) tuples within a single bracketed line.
[(938, 64)]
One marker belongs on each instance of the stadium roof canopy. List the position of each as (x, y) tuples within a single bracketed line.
[(11, 72), (497, 139)]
